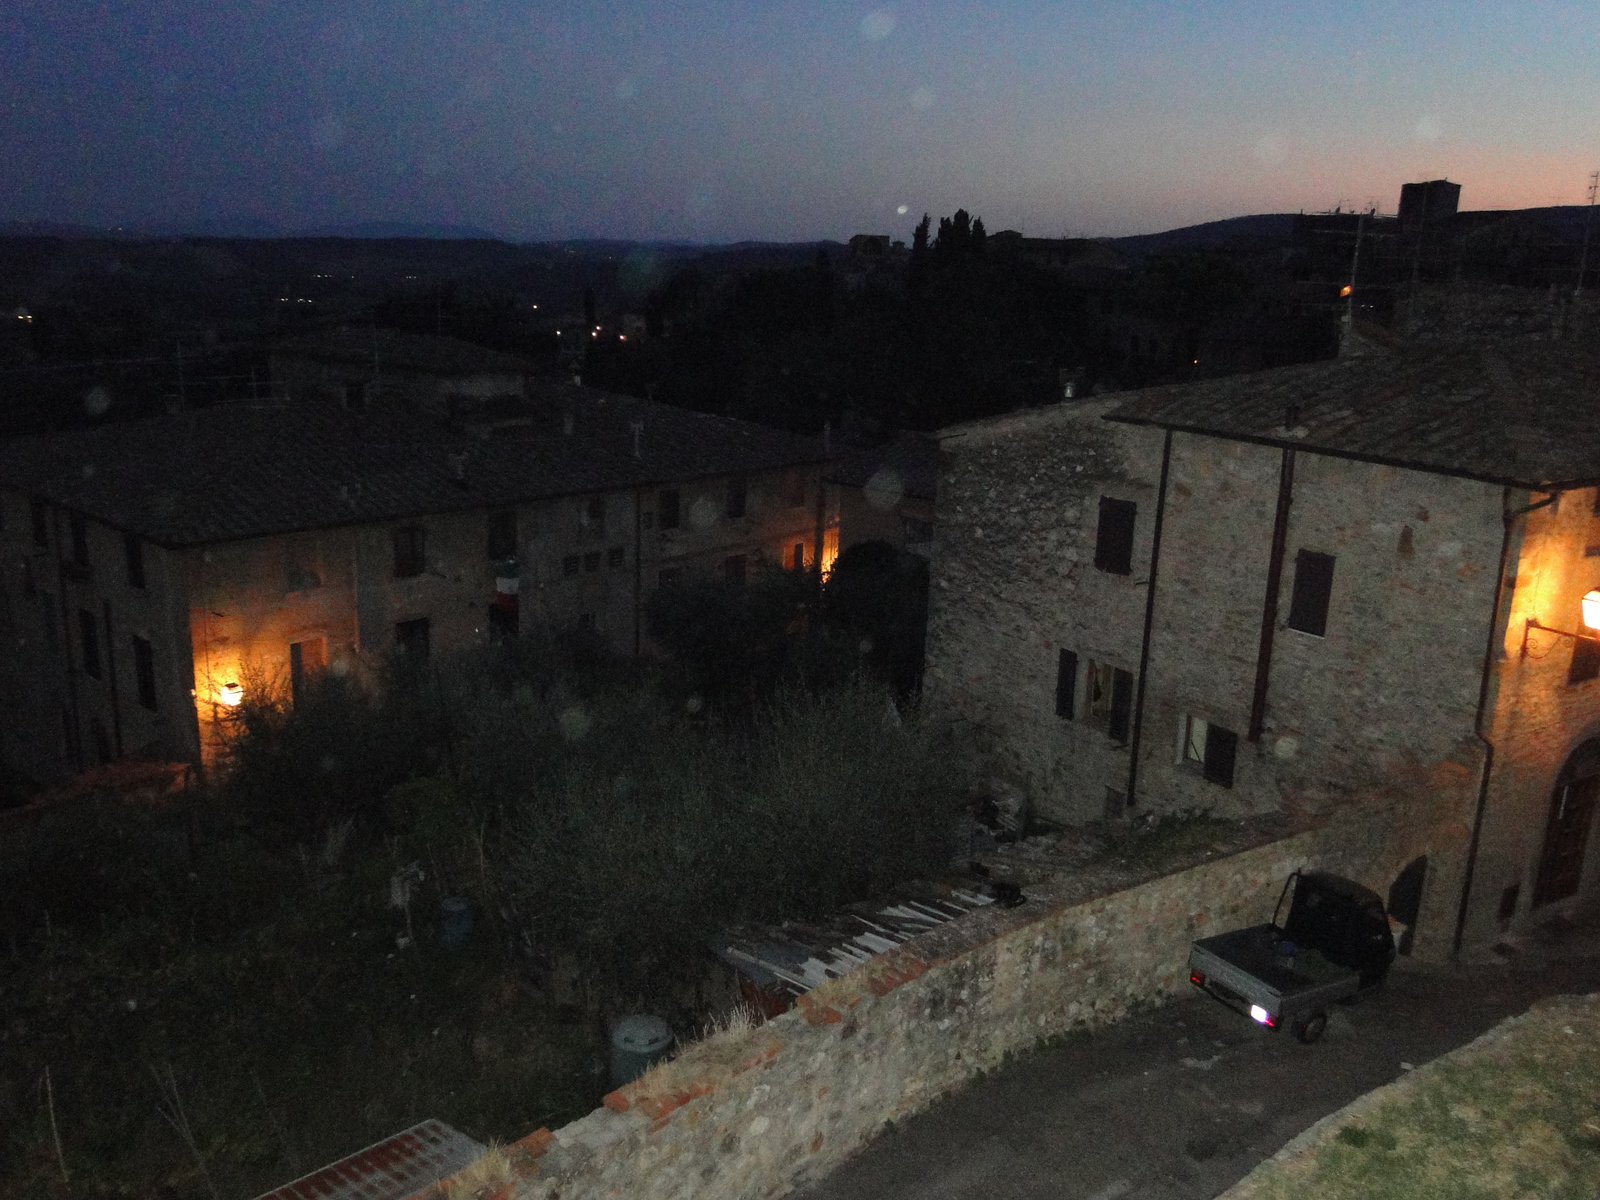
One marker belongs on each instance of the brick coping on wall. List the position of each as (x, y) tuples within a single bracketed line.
[(694, 1110)]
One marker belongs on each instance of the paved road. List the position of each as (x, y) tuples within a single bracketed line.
[(1183, 1102)]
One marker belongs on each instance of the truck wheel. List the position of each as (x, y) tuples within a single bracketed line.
[(1311, 1028)]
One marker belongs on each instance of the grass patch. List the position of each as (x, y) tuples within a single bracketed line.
[(1518, 1116)]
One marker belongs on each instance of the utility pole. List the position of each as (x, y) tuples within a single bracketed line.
[(1588, 226), (1355, 262)]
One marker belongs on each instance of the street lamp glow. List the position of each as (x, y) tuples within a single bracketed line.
[(1591, 609)]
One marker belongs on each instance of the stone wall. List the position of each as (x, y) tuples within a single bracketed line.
[(764, 1110)]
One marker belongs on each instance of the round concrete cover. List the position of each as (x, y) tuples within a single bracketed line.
[(641, 1034)]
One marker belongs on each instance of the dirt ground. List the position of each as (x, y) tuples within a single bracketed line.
[(1181, 1103)]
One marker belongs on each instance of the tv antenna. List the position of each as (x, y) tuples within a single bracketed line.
[(1588, 226)]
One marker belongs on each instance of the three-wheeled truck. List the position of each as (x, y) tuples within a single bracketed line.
[(1335, 944)]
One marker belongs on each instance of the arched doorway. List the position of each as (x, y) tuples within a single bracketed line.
[(1566, 833)]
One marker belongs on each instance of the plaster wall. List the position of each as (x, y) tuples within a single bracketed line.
[(60, 717)]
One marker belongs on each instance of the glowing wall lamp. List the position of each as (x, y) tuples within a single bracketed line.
[(1591, 622), (231, 694)]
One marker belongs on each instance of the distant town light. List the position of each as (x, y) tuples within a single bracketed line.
[(1344, 291), (1591, 609), (231, 694)]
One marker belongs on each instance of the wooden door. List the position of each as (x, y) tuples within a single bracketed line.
[(1565, 838)]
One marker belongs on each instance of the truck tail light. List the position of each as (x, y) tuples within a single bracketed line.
[(1257, 1013), (1197, 978)]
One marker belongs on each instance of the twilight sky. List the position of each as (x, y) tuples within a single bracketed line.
[(771, 119)]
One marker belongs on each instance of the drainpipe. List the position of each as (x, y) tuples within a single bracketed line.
[(111, 676), (1149, 620), (76, 748), (1269, 606), (1509, 519), (638, 567)]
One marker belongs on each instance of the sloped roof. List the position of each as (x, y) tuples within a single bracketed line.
[(254, 469), (399, 351), (1521, 413), (913, 459)]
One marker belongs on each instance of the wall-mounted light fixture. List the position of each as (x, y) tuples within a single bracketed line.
[(1591, 622), (231, 694)]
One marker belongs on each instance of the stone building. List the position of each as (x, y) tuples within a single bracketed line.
[(152, 570), (1355, 580), (886, 493)]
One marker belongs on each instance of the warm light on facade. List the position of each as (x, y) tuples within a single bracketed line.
[(1344, 291), (230, 694), (1591, 609)]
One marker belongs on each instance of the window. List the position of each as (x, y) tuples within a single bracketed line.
[(797, 557), (794, 489), (133, 550), (144, 672), (41, 525), (1113, 539), (1212, 748), (1111, 700), (102, 741), (504, 620), (1066, 683), (411, 639), (502, 540), (738, 496), (89, 643), (410, 551), (569, 565), (735, 568), (306, 661), (667, 509), (647, 520), (616, 558), (591, 562), (80, 540), (594, 513), (1313, 583), (1585, 660)]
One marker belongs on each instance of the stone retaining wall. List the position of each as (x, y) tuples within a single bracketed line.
[(757, 1112)]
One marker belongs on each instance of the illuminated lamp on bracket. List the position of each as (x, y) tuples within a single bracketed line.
[(1591, 623), (231, 694)]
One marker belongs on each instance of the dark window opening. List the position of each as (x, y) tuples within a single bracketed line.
[(1313, 584), (569, 565), (410, 551), (794, 489), (667, 509), (133, 549), (502, 540), (735, 568), (1113, 539), (591, 562), (1066, 683), (144, 672), (797, 557), (738, 495), (102, 741), (504, 619), (307, 660), (1111, 700), (616, 558), (595, 512), (411, 638), (80, 540), (89, 643), (1585, 660), (41, 525), (1222, 748), (1596, 509), (1508, 902)]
